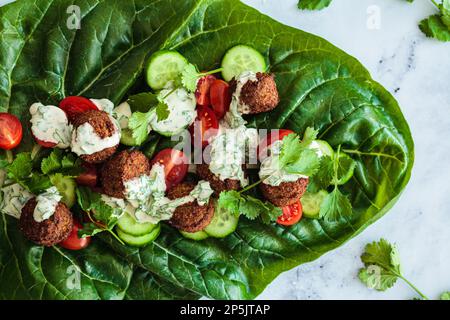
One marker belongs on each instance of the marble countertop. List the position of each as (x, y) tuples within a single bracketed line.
[(417, 71)]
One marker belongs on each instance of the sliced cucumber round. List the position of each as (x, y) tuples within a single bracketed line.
[(223, 224), (346, 169), (322, 148), (163, 67), (127, 139), (311, 203), (197, 236), (66, 187), (129, 225), (240, 59), (139, 241)]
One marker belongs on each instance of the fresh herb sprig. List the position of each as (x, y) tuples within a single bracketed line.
[(191, 75), (103, 218), (139, 122), (382, 268)]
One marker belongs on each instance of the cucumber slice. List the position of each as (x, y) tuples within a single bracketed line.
[(139, 241), (311, 203), (322, 148), (66, 187), (130, 226), (127, 138), (198, 236), (346, 169), (240, 59), (223, 224), (163, 67)]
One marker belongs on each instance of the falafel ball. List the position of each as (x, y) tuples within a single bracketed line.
[(286, 194), (190, 217), (48, 232), (124, 166), (258, 96), (216, 184), (103, 127)]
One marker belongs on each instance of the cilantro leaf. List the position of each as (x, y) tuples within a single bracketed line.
[(323, 177), (382, 267), (142, 102), (38, 183), (21, 167), (436, 26), (313, 4), (445, 296), (139, 124), (162, 111), (60, 161), (189, 77), (335, 206), (248, 206)]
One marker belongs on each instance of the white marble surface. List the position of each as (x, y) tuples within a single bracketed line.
[(417, 71)]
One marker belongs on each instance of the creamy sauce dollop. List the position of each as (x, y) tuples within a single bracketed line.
[(46, 204)]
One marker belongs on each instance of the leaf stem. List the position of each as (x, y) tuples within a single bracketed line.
[(210, 72), (115, 236), (9, 156), (35, 151), (250, 187), (435, 3), (413, 287)]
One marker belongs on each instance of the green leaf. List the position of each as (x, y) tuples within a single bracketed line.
[(190, 76), (230, 200), (21, 167), (139, 123), (377, 278), (313, 4), (445, 296), (320, 86), (435, 27), (143, 102), (162, 111), (335, 207)]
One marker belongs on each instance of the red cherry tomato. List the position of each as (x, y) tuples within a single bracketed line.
[(291, 214), (73, 106), (44, 144), (203, 87), (89, 177), (272, 137), (220, 98), (73, 242), (205, 126), (11, 131), (175, 163)]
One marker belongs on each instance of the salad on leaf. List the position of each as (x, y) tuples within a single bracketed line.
[(97, 176)]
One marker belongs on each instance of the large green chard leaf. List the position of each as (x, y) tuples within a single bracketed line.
[(33, 272), (320, 86)]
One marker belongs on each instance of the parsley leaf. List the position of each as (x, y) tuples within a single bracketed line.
[(313, 4), (335, 206), (21, 167), (438, 26), (61, 162), (382, 267)]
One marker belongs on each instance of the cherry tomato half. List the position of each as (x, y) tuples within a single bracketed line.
[(73, 106), (270, 139), (89, 177), (220, 97), (11, 131), (73, 242), (175, 165), (291, 214), (205, 126), (203, 88)]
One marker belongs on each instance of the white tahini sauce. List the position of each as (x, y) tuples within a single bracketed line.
[(234, 116), (46, 204), (123, 114), (182, 105), (50, 124), (85, 141), (14, 198), (271, 172), (104, 105)]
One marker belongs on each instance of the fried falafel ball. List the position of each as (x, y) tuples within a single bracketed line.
[(104, 127), (286, 194), (48, 232), (190, 217), (216, 184), (124, 166), (258, 96)]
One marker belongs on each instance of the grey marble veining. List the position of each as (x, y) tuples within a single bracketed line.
[(417, 71)]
